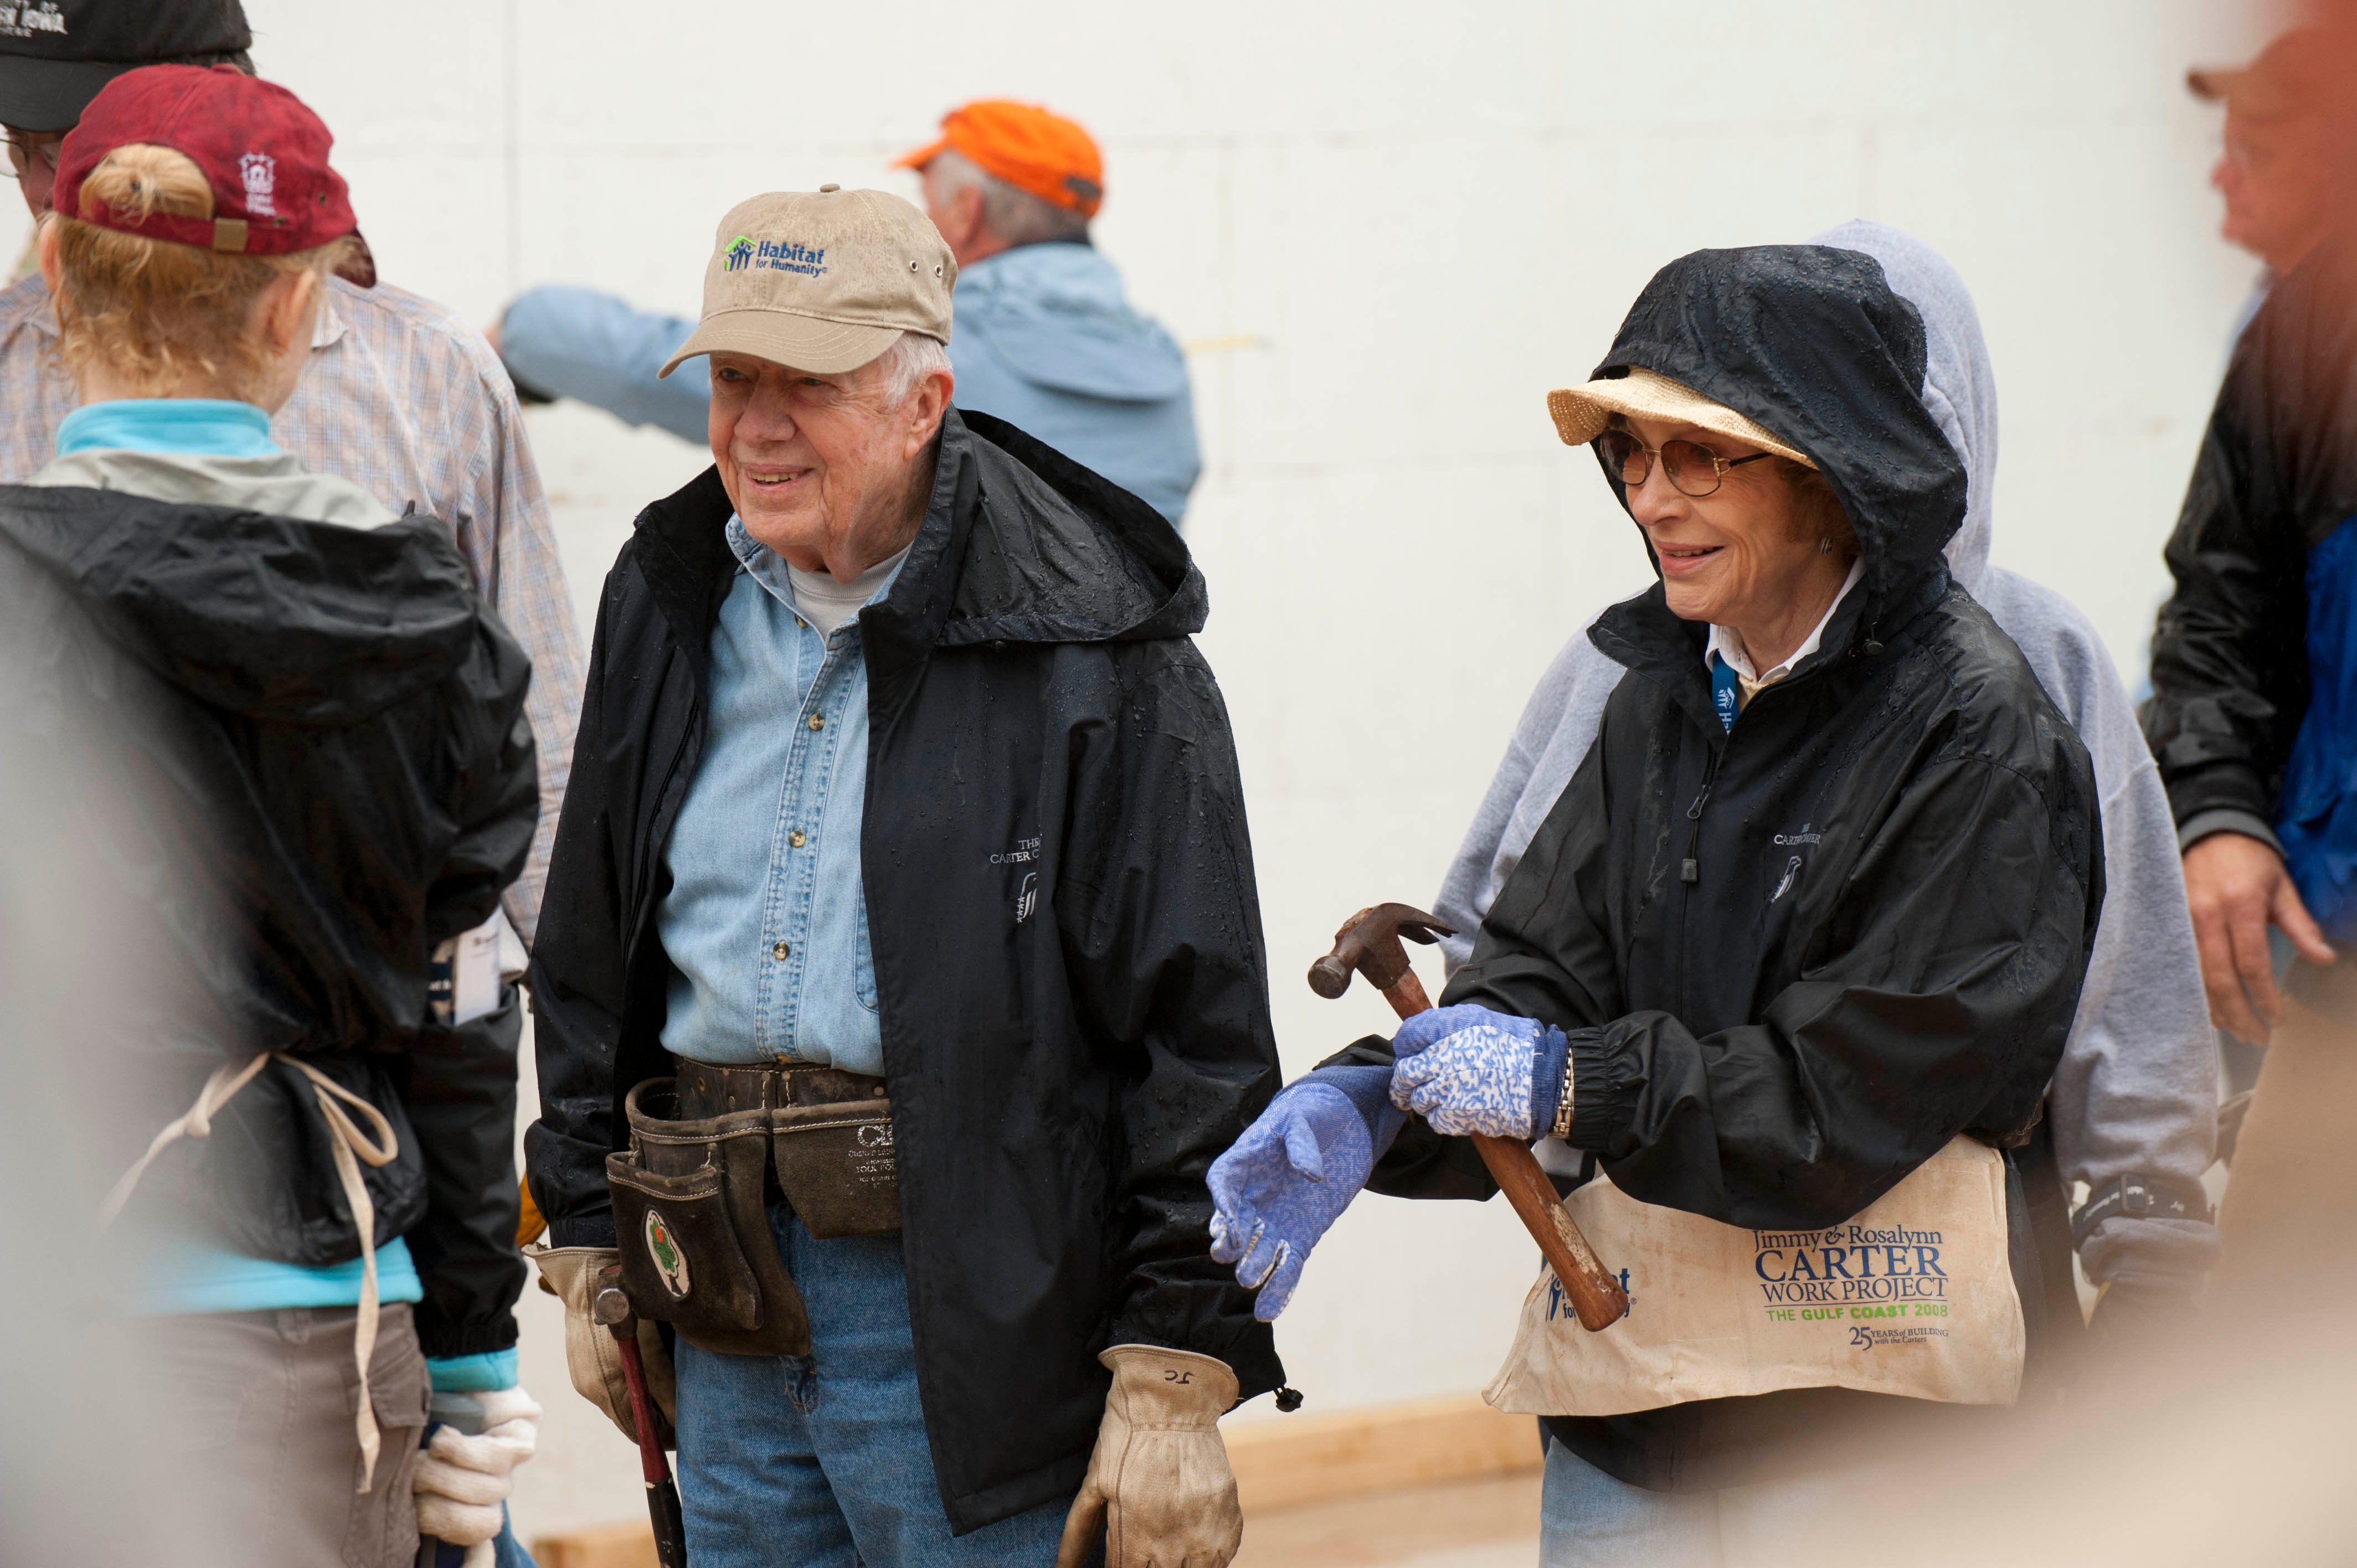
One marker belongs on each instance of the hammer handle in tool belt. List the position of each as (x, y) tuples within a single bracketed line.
[(663, 1511), (1595, 1295)]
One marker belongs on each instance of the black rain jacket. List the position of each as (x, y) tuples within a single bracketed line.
[(2276, 476), (324, 745), (1062, 1072), (1794, 960)]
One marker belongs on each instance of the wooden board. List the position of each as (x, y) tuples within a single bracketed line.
[(1280, 1462), (1292, 1459)]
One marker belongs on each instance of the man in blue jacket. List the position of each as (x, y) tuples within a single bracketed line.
[(1045, 339)]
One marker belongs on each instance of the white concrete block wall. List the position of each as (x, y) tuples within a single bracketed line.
[(1391, 228)]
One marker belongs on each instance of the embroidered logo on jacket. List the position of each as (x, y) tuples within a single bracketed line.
[(1792, 870)]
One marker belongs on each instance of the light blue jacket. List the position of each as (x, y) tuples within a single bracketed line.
[(1043, 339)]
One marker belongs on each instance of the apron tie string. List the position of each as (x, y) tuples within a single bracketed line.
[(351, 1148)]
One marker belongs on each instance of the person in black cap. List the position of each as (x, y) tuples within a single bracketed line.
[(59, 53), (399, 395)]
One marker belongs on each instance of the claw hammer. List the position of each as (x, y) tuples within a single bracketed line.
[(612, 1308), (1369, 944)]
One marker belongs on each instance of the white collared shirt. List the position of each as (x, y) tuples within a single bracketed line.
[(1726, 643)]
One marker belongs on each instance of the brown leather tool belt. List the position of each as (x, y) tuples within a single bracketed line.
[(707, 1148)]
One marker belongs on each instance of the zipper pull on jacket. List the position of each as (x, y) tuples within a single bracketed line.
[(1691, 871)]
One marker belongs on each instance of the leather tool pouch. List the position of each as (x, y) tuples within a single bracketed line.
[(837, 1165), (831, 1138), (691, 1219)]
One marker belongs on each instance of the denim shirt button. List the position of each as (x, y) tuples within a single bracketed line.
[(794, 839), (780, 953), (818, 721)]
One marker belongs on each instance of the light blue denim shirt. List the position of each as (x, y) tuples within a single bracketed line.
[(766, 921), (1043, 337)]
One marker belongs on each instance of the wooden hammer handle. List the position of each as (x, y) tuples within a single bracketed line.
[(1595, 1295)]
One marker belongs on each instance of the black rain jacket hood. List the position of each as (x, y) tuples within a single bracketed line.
[(323, 732), (1812, 345), (1071, 1032), (312, 625), (1796, 958)]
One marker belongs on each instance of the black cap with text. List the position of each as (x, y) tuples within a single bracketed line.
[(55, 54)]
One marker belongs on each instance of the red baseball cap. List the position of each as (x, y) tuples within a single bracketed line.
[(265, 153), (1028, 147)]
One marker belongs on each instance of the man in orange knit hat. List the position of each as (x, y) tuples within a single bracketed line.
[(1045, 339)]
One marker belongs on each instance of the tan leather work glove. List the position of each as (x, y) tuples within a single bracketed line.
[(570, 1274), (1158, 1485)]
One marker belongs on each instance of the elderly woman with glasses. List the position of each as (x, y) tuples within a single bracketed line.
[(1789, 964)]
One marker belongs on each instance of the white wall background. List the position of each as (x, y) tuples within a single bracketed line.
[(1389, 229)]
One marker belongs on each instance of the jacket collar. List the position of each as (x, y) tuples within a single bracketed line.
[(1643, 636), (686, 562), (1018, 545)]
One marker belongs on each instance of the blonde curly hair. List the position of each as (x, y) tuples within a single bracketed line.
[(148, 312)]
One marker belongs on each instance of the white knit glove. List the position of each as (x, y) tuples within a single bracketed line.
[(462, 1482)]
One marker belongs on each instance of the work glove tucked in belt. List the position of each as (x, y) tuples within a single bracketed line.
[(1158, 1485), (570, 1274)]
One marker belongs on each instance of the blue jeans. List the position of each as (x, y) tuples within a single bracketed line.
[(820, 1461), (1587, 1519)]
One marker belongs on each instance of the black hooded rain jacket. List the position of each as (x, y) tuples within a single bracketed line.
[(324, 748), (1895, 866), (1063, 1071)]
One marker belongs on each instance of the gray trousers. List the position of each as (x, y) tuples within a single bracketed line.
[(264, 1403)]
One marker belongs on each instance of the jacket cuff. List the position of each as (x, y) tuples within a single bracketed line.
[(1548, 1055), (1368, 1088), (445, 1340), (2218, 785), (1603, 1093), (2226, 819), (583, 1231)]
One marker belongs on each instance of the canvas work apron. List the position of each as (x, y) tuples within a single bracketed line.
[(1914, 1297)]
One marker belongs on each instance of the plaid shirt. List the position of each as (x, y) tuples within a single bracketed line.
[(405, 399)]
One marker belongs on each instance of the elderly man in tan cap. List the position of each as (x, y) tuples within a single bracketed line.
[(902, 969)]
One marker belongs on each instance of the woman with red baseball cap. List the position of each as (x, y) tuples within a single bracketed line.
[(341, 784)]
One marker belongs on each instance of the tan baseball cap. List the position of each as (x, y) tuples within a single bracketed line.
[(1582, 413), (821, 281)]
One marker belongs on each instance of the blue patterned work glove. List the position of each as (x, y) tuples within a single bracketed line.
[(1293, 1172), (1467, 1069)]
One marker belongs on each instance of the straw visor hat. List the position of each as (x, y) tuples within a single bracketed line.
[(1582, 413)]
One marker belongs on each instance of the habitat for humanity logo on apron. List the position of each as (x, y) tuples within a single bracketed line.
[(1912, 1296)]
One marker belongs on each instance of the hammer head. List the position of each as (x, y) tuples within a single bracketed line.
[(1369, 944)]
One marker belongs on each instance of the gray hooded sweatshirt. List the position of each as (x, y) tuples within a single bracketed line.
[(2136, 1089)]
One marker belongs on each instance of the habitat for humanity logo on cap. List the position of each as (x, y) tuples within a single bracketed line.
[(773, 255)]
